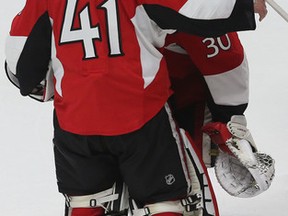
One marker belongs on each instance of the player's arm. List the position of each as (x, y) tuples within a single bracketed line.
[(28, 52), (202, 17), (223, 64)]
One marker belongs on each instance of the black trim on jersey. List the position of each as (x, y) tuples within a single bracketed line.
[(33, 62), (223, 113), (242, 18)]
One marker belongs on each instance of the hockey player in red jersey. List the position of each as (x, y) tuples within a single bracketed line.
[(111, 85), (210, 80), (207, 71), (190, 59)]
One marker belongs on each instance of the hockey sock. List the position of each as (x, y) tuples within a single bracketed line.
[(85, 211), (168, 214)]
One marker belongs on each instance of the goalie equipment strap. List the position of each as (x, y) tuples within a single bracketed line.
[(91, 201), (156, 208), (120, 206), (188, 204)]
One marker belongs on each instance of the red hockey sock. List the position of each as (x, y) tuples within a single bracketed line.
[(87, 211), (168, 214)]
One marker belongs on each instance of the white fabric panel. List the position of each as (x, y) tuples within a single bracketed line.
[(149, 36), (13, 50), (215, 9), (174, 47), (57, 66), (231, 87)]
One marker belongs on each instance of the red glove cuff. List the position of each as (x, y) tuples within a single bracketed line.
[(219, 134)]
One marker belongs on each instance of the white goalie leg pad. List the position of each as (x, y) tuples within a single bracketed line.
[(207, 151), (200, 201), (91, 201), (204, 200), (191, 206)]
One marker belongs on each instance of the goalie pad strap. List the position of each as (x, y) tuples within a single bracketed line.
[(193, 202), (93, 200), (191, 199), (157, 208), (188, 204), (141, 212)]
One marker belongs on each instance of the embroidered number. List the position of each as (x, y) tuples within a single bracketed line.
[(87, 33), (216, 44)]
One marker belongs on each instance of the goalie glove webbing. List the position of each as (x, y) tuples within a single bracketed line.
[(240, 169), (241, 181)]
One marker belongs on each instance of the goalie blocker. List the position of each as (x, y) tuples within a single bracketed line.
[(240, 168)]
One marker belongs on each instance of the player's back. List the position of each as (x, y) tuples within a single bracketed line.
[(110, 77)]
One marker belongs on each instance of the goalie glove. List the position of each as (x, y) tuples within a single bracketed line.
[(229, 137), (241, 181), (240, 169)]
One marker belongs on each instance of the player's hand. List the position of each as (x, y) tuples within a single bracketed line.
[(260, 8), (233, 138)]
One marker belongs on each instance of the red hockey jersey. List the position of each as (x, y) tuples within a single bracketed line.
[(216, 62), (220, 60), (110, 76)]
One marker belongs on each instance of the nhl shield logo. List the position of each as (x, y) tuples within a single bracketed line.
[(170, 179)]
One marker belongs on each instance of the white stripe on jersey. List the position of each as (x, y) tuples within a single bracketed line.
[(232, 87), (149, 36), (216, 9), (13, 49)]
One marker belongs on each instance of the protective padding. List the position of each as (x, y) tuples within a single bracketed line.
[(244, 181)]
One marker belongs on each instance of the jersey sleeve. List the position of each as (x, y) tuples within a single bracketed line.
[(223, 64), (202, 17), (28, 46)]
